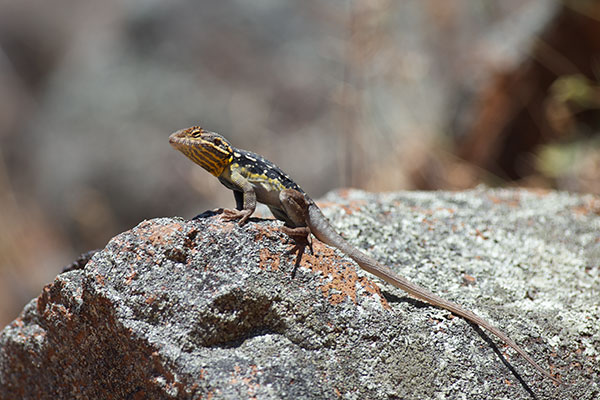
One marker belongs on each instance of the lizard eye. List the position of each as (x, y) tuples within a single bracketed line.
[(196, 133)]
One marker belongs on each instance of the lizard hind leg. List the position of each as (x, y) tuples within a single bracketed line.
[(301, 237), (295, 207)]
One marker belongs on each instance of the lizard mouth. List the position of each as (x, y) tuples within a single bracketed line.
[(176, 139)]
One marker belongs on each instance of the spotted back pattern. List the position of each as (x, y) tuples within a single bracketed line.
[(252, 165)]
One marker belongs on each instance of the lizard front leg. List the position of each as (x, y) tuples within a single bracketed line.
[(246, 197), (295, 207)]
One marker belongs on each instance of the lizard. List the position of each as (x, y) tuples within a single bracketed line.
[(253, 179)]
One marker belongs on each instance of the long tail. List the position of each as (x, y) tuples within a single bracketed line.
[(321, 228)]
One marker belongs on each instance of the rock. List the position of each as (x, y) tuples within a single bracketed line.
[(207, 309)]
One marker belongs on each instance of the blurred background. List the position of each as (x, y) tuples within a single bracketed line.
[(380, 95)]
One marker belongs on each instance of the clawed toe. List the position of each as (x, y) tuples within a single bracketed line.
[(232, 215), (301, 237)]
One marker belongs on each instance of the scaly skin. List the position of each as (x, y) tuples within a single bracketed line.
[(253, 178)]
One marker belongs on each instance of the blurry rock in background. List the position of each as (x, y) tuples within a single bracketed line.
[(381, 95)]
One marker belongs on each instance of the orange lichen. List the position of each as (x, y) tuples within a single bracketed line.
[(238, 376), (150, 299), (592, 206), (513, 201), (100, 280), (263, 233), (268, 259), (350, 208), (222, 226), (339, 278), (131, 277), (164, 235)]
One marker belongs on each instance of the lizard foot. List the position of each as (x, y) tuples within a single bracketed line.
[(232, 215), (301, 237)]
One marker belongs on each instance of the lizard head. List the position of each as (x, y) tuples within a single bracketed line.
[(208, 149)]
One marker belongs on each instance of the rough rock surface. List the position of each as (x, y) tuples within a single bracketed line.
[(207, 309)]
